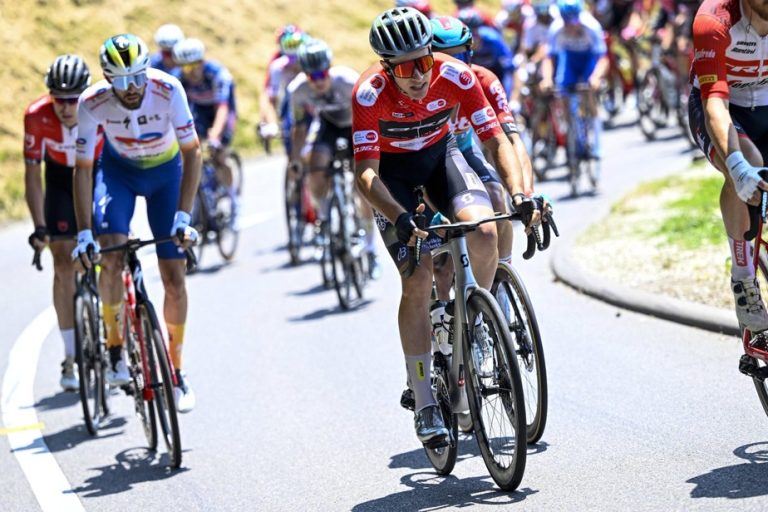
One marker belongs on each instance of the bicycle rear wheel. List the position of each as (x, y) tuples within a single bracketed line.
[(761, 387), (340, 252), (510, 292), (136, 340), (443, 458), (294, 216), (90, 363), (227, 236), (235, 164), (650, 104), (162, 384), (494, 391)]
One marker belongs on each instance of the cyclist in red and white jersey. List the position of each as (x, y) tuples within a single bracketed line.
[(50, 131), (402, 139), (268, 127), (728, 109)]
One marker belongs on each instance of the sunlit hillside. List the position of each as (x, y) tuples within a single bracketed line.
[(239, 33)]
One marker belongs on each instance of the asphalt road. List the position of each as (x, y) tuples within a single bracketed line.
[(298, 401)]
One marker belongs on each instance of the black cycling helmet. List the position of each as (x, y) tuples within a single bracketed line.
[(398, 31), (68, 76), (315, 55)]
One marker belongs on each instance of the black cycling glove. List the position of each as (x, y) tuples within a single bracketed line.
[(405, 226), (39, 234)]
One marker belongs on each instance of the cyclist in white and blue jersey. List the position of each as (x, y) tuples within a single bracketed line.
[(577, 41), (151, 149), (165, 38)]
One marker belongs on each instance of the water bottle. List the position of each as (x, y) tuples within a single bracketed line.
[(442, 327)]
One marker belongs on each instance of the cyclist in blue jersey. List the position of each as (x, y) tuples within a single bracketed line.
[(489, 48), (165, 38), (211, 95), (577, 41)]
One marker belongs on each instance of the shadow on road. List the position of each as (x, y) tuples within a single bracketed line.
[(58, 401), (73, 436), (324, 312), (429, 491), (132, 466), (318, 288), (739, 481)]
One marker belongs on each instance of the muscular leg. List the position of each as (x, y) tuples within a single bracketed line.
[(172, 273), (733, 209), (482, 244), (504, 228), (318, 180), (111, 287), (64, 291)]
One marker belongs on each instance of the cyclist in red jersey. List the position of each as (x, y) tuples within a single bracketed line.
[(402, 139), (50, 131), (728, 115)]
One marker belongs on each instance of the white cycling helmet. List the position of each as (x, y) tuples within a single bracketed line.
[(124, 55), (168, 35), (188, 51)]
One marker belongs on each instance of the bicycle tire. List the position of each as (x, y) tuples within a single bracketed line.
[(134, 335), (236, 166), (504, 381), (650, 100), (90, 367), (761, 387), (227, 237), (294, 217), (340, 252), (200, 216), (443, 459), (162, 384), (526, 336)]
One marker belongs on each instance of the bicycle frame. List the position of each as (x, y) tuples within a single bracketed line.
[(760, 245)]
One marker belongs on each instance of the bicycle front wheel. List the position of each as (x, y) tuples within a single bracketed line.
[(494, 391), (90, 363), (443, 458), (136, 339), (227, 236), (340, 254), (162, 384), (235, 164), (760, 385), (515, 304)]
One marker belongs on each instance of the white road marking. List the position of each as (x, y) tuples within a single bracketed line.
[(52, 489)]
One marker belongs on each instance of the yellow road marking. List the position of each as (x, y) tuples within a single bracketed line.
[(34, 426)]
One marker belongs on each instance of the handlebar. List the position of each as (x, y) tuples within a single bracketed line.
[(132, 245), (36, 260)]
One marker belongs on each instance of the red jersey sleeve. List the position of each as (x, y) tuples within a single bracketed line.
[(469, 94), (366, 114), (33, 136), (495, 93), (711, 39)]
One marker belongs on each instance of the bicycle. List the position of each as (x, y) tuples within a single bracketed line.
[(213, 215), (581, 160), (510, 292), (545, 126), (754, 361), (90, 351), (152, 376), (658, 94), (484, 357), (299, 213), (343, 262)]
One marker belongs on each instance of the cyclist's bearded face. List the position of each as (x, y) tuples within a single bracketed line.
[(132, 97), (416, 86)]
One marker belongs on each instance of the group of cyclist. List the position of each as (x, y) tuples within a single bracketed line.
[(428, 114), (135, 133)]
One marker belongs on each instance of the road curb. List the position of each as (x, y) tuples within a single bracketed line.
[(567, 270)]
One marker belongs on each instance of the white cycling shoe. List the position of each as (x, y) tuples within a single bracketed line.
[(750, 309), (185, 397), (69, 379), (118, 374)]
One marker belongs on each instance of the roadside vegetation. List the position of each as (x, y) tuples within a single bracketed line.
[(238, 33), (666, 236)]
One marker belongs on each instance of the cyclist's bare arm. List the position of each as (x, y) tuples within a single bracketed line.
[(82, 187), (601, 67), (33, 191), (547, 71), (375, 191), (219, 121), (720, 127), (525, 162), (267, 108), (507, 163), (192, 162)]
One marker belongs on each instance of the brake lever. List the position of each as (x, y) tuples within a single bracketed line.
[(414, 253), (36, 261)]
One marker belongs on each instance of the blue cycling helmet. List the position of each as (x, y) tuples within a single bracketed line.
[(448, 32), (570, 9), (470, 17)]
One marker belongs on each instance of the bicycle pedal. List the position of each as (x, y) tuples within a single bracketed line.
[(127, 389), (407, 400), (437, 442), (750, 368)]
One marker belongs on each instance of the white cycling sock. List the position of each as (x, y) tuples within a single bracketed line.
[(506, 259), (68, 335), (420, 377), (370, 236), (741, 264)]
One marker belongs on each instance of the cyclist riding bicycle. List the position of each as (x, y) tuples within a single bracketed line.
[(211, 95), (166, 37), (577, 41), (268, 127), (50, 131), (533, 47), (489, 48), (510, 21), (402, 139), (728, 107), (451, 36), (151, 149), (323, 94)]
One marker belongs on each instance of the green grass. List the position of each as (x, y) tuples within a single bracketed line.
[(695, 219)]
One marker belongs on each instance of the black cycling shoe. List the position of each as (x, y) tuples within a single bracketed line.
[(407, 401)]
